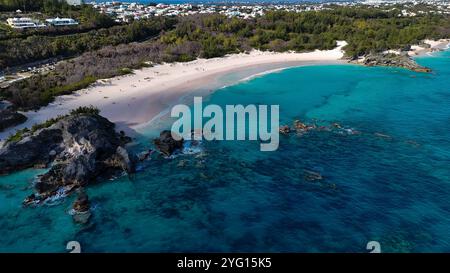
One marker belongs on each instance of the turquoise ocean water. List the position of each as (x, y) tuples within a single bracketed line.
[(390, 183)]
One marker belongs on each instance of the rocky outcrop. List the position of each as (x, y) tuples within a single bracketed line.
[(9, 117), (81, 208), (301, 127), (392, 59), (123, 159), (285, 129), (80, 148), (31, 150), (298, 125), (166, 144)]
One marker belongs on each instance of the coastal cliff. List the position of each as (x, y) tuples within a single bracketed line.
[(79, 148)]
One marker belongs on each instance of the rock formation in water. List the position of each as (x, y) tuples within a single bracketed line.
[(285, 129), (81, 147), (81, 208), (392, 59), (166, 144)]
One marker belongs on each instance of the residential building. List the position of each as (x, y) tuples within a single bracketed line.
[(23, 22), (74, 2), (61, 22)]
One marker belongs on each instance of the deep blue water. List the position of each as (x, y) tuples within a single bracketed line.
[(232, 197)]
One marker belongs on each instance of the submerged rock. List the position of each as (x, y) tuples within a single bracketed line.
[(81, 148), (166, 144), (312, 176), (380, 135), (81, 204), (182, 163), (336, 125)]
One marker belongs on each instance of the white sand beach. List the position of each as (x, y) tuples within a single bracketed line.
[(135, 99), (420, 50)]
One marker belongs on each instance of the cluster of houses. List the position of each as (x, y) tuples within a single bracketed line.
[(123, 12), (126, 11), (413, 8), (26, 22)]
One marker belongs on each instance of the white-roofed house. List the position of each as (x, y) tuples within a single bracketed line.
[(75, 2), (23, 22), (61, 22)]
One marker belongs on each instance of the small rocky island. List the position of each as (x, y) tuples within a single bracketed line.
[(166, 144), (79, 148), (81, 212)]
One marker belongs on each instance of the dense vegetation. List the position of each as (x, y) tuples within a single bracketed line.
[(21, 46), (34, 5), (366, 30), (186, 38), (18, 51)]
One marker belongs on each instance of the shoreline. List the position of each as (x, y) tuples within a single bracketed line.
[(136, 100), (216, 82), (133, 101), (434, 46)]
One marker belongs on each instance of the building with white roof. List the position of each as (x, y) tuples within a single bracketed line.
[(61, 22), (23, 22), (74, 2)]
